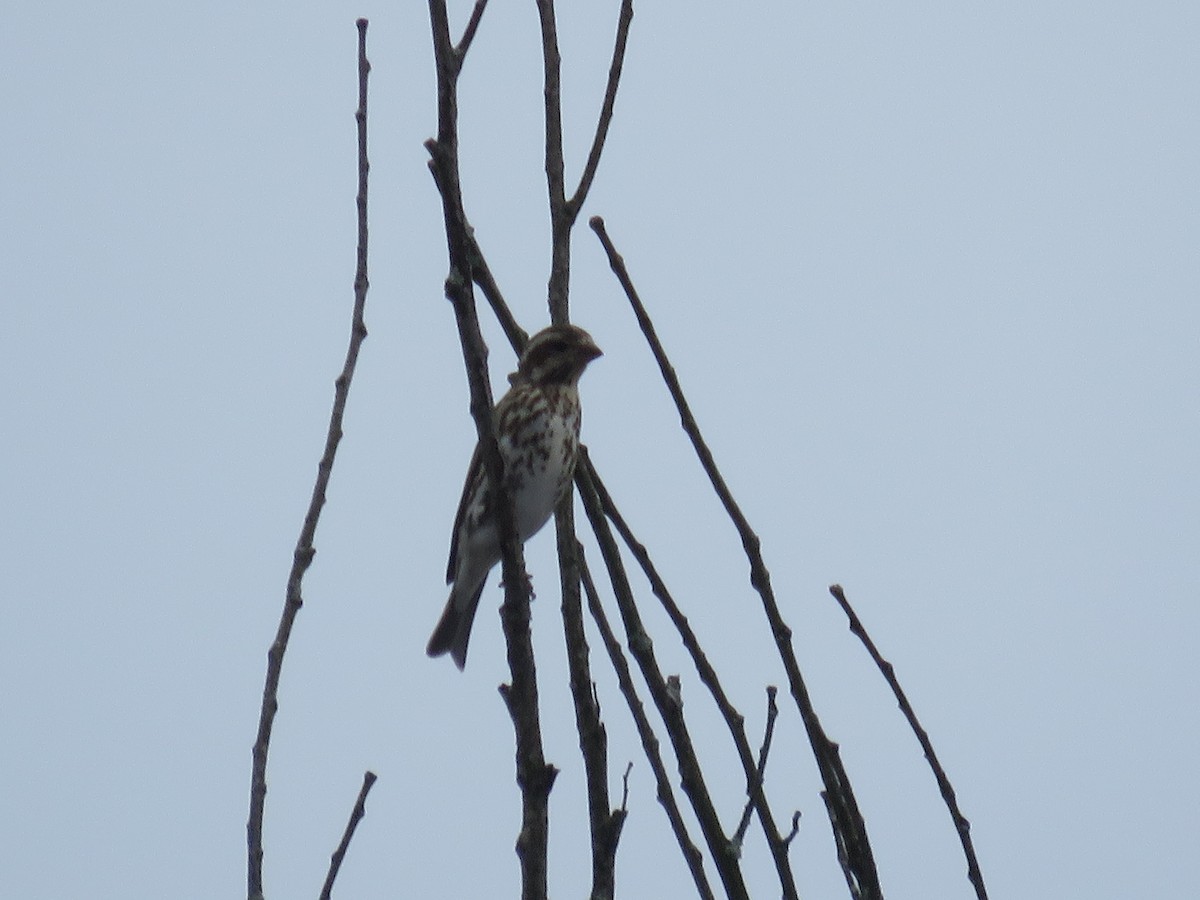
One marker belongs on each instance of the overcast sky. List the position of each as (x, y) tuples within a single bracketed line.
[(929, 273)]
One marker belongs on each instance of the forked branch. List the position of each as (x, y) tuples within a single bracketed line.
[(534, 776), (650, 744), (667, 699), (564, 210), (755, 788)]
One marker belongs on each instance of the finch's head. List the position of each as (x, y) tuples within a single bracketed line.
[(557, 355)]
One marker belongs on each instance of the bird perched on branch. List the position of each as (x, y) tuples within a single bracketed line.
[(537, 429)]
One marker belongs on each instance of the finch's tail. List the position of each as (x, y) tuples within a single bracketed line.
[(453, 630)]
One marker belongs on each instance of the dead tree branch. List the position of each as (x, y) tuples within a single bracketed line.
[(303, 555), (961, 824), (534, 776), (606, 111), (755, 788), (356, 816)]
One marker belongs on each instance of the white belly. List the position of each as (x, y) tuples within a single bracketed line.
[(538, 477)]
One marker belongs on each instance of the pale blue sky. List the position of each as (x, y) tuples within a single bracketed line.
[(928, 272)]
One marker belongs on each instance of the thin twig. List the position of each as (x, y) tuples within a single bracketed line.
[(961, 824), (842, 841), (625, 787), (356, 816), (791, 835), (517, 336), (482, 274), (464, 44), (845, 818), (303, 555), (755, 787), (606, 111)]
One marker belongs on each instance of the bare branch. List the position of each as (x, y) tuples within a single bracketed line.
[(482, 274), (534, 776), (795, 828), (356, 816), (845, 818), (516, 335), (606, 111), (961, 824), (558, 286), (754, 788), (460, 50), (303, 555)]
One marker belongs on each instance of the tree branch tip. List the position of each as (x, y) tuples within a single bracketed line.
[(795, 829), (360, 24), (596, 223), (625, 786)]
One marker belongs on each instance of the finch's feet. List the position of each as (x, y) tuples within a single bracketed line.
[(528, 585)]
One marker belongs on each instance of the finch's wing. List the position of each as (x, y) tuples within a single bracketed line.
[(474, 474)]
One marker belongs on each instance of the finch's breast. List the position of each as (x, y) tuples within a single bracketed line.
[(540, 460)]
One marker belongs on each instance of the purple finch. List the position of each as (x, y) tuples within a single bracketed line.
[(537, 427)]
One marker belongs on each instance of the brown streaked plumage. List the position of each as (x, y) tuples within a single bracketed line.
[(537, 426)]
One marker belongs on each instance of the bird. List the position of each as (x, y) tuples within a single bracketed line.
[(537, 430)]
